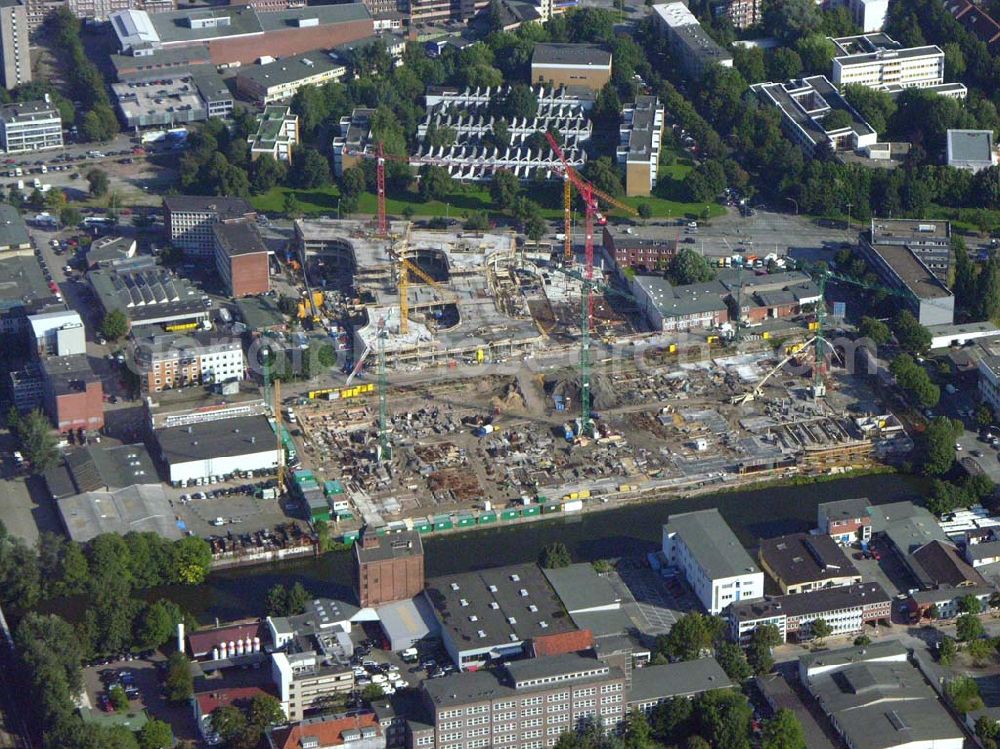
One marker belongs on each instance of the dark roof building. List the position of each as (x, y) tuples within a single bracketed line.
[(938, 563), (202, 449), (652, 685), (94, 468), (388, 568), (800, 562)]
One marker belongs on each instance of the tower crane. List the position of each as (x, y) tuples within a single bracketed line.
[(405, 269), (381, 333)]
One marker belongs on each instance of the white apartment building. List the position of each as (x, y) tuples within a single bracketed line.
[(879, 62), (189, 219), (639, 137), (869, 15), (30, 126), (305, 683), (716, 566)]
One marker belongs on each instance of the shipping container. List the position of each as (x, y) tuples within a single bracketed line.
[(574, 505), (349, 537), (551, 507), (533, 510), (510, 514), (443, 524), (488, 517), (464, 520)]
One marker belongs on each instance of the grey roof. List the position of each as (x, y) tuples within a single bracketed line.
[(407, 621), (811, 603), (603, 623), (28, 111), (108, 468), (216, 439), (259, 312), (712, 543), (780, 695), (640, 138), (682, 679), (319, 616), (803, 557), (390, 546), (211, 86), (22, 284), (68, 374), (983, 550), (584, 55), (223, 208), (13, 231), (163, 62), (848, 656), (580, 587), (136, 508), (909, 534), (564, 664), (175, 26), (288, 69), (324, 14), (102, 251), (674, 301), (238, 239), (970, 145), (845, 509)]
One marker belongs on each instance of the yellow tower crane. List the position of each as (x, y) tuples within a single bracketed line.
[(405, 269)]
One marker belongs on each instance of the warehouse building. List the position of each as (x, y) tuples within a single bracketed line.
[(558, 65), (148, 294), (206, 449), (156, 64), (388, 568), (23, 291), (58, 333), (13, 230), (716, 566), (189, 219), (279, 80), (692, 47), (30, 126), (241, 259), (639, 137), (800, 562)]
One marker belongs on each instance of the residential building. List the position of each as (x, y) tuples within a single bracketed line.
[(98, 10), (39, 10), (73, 395), (639, 137), (354, 54), (185, 98), (189, 220), (982, 546), (708, 554), (358, 731), (652, 685), (277, 134), (105, 251), (30, 126), (216, 448), (912, 261), (241, 33), (846, 609), (692, 47), (354, 139), (989, 376), (806, 105), (868, 15), (306, 683), (523, 705), (388, 568), (800, 562), (279, 80), (846, 521), (644, 248), (977, 21), (58, 333), (205, 703), (559, 65), (148, 294), (168, 360), (15, 60), (742, 14), (679, 308), (879, 62), (972, 150), (879, 700), (241, 259)]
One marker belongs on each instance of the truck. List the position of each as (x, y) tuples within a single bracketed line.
[(153, 136)]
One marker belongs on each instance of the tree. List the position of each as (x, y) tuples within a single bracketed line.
[(837, 119), (821, 629), (265, 711), (981, 651), (156, 734), (862, 641), (298, 597), (310, 169), (762, 641), (637, 731), (938, 443), (266, 172), (476, 221), (158, 623), (604, 176), (987, 731), (963, 694), (733, 661), (912, 336), (190, 559), (38, 443), (645, 211), (435, 182), (672, 719), (352, 184), (228, 722), (119, 700), (555, 555), (723, 718), (783, 731), (179, 683), (115, 325), (98, 182), (984, 415), (327, 356), (504, 189), (968, 627), (276, 602), (876, 330), (687, 267), (969, 605), (875, 107), (947, 651), (782, 64), (70, 216), (519, 102), (691, 635), (372, 692)]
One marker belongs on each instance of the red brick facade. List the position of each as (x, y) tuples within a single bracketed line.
[(249, 274), (79, 410), (388, 568)]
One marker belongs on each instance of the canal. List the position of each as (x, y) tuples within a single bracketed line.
[(631, 530)]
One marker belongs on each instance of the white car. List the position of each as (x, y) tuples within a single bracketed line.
[(400, 684), (379, 679)]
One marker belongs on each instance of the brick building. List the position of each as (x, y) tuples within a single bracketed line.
[(639, 247), (846, 521), (587, 65), (241, 259), (72, 393), (172, 361), (388, 568)]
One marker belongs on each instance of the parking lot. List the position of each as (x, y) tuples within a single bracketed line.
[(649, 600)]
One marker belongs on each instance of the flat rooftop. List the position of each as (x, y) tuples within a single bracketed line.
[(682, 679), (581, 55), (643, 127), (22, 283), (907, 230), (145, 291), (391, 546), (175, 94), (812, 602), (288, 70), (971, 145), (13, 230), (918, 279), (803, 557), (241, 238), (28, 111), (224, 208), (69, 374), (712, 542), (224, 438), (137, 508)]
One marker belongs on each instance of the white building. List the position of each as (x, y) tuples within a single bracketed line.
[(691, 45), (639, 138), (58, 333), (869, 15), (305, 681), (972, 150), (166, 361), (879, 62), (207, 450), (30, 126), (703, 547)]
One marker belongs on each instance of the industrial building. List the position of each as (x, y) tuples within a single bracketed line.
[(845, 608), (800, 562), (153, 64), (107, 250), (639, 136), (805, 104), (189, 219), (711, 558), (221, 447), (913, 257), (277, 134), (168, 360), (972, 150), (30, 126), (58, 333), (690, 44), (148, 294), (73, 395), (680, 308), (279, 80), (241, 259), (387, 568), (15, 59), (879, 62), (13, 232), (185, 98), (846, 521), (559, 65), (23, 291)]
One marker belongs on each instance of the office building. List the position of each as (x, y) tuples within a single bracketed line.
[(875, 698), (277, 134), (846, 521), (639, 144), (678, 308), (73, 395), (388, 568), (15, 59), (168, 360), (279, 80), (185, 98), (148, 294), (807, 106), (58, 333), (912, 257), (645, 248), (523, 705), (800, 562), (989, 377), (306, 682), (25, 387), (879, 62), (241, 259), (30, 126), (216, 448), (189, 220), (846, 609), (357, 731), (651, 685), (718, 569), (972, 150), (692, 48), (241, 33), (558, 65)]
